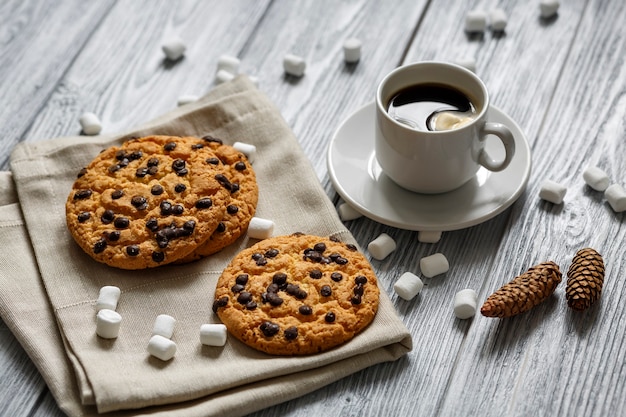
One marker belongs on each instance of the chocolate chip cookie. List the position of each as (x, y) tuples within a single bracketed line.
[(297, 294), (148, 202)]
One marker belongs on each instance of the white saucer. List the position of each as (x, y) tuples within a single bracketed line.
[(359, 180)]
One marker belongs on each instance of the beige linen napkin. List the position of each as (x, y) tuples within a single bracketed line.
[(48, 286)]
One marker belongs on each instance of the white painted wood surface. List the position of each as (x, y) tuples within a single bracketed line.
[(563, 80)]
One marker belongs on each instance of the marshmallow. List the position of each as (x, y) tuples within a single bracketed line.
[(428, 237), (228, 63), (381, 247), (475, 21), (433, 265), (173, 48), (213, 334), (108, 298), (346, 212), (186, 99), (548, 8), (468, 63), (498, 19), (616, 196), (294, 65), (90, 124), (223, 76), (161, 347), (352, 50), (247, 149), (260, 228), (596, 178), (552, 191), (465, 303), (164, 326), (408, 286), (108, 324)]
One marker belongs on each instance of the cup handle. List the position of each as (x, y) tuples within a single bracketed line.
[(504, 134)]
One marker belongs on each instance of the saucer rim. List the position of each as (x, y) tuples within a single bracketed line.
[(449, 226)]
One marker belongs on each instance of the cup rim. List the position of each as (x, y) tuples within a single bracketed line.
[(480, 116)]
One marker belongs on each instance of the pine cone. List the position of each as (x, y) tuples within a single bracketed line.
[(585, 277), (524, 292)]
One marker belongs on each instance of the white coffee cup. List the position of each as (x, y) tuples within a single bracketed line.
[(427, 161)]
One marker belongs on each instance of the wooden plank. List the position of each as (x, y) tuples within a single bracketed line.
[(122, 74), (21, 383), (553, 361), (38, 42)]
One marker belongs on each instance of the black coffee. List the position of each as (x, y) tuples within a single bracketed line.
[(418, 106)]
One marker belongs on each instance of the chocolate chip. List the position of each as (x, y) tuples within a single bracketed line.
[(132, 250), (204, 203), (221, 227), (156, 190), (341, 261), (336, 276), (356, 300), (301, 294), (169, 146), (121, 222), (242, 279), (326, 291), (210, 138), (177, 210), (162, 238), (234, 188), (291, 333), (315, 274), (84, 216), (251, 305), (82, 194), (117, 194), (222, 302), (121, 154), (256, 256), (113, 236), (351, 247), (334, 238), (232, 209), (166, 207), (81, 173), (240, 166), (224, 182), (189, 226), (313, 256), (139, 202), (305, 310), (279, 278), (153, 170), (100, 246), (114, 168), (320, 247), (135, 155), (273, 288), (152, 224), (152, 162), (179, 188), (269, 329), (158, 256), (274, 299), (197, 146), (212, 161), (271, 253), (237, 288), (333, 256), (107, 217), (330, 317), (178, 165), (141, 172), (244, 297), (360, 280)]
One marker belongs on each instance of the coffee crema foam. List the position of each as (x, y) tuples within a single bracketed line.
[(448, 120)]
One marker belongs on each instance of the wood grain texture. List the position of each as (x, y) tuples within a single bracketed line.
[(562, 80)]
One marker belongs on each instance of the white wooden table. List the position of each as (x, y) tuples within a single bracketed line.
[(563, 80)]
